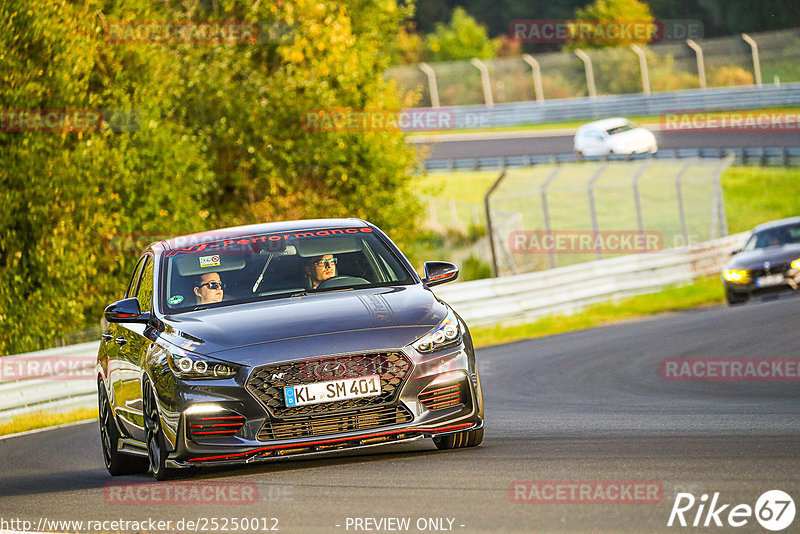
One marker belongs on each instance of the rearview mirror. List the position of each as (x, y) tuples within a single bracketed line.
[(126, 311), (439, 272)]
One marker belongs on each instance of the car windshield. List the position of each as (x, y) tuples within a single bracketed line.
[(774, 237), (619, 129), (247, 268)]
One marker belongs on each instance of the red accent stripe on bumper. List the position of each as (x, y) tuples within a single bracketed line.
[(308, 443)]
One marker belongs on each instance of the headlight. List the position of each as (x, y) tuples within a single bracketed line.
[(796, 264), (190, 366), (737, 276), (448, 333)]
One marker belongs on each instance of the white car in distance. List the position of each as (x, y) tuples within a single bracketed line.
[(613, 136)]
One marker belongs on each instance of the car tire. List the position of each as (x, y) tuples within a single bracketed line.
[(154, 436), (116, 462), (459, 440), (734, 298)]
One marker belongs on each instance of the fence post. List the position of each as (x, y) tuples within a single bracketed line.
[(643, 67), (587, 65), (679, 195), (701, 64), (537, 76), (551, 255), (592, 208), (485, 81), (756, 63), (637, 199), (433, 89), (718, 219), (489, 232)]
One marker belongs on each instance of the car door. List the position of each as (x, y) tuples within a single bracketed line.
[(595, 142), (131, 353)]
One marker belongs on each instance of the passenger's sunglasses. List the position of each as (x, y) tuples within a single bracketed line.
[(213, 285), (326, 263)]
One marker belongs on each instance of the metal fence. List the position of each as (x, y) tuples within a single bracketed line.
[(708, 63), (565, 213)]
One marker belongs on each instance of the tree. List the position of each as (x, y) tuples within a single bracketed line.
[(463, 38), (220, 139), (604, 18)]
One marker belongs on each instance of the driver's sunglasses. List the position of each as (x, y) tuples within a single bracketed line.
[(213, 285), (326, 263)]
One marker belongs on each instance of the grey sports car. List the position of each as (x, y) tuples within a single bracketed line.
[(281, 339), (768, 264)]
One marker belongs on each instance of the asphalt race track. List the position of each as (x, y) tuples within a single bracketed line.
[(540, 143), (583, 406)]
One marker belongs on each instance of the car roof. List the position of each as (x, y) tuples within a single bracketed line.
[(263, 228), (777, 223), (605, 124)]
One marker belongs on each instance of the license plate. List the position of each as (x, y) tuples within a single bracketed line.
[(332, 390), (770, 280)]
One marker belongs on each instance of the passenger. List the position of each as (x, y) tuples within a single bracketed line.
[(321, 268), (208, 287)]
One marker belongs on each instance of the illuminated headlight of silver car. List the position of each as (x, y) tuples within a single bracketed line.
[(189, 366), (447, 334)]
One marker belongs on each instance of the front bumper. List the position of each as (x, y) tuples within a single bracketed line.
[(790, 283), (194, 442)]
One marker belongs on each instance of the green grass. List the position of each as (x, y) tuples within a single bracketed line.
[(754, 195), (23, 423), (706, 291)]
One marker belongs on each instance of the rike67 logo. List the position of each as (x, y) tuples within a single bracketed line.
[(774, 510)]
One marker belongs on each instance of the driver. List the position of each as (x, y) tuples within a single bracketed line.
[(208, 288), (321, 268)]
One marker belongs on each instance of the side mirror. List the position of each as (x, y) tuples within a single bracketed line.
[(735, 252), (126, 311), (439, 272)]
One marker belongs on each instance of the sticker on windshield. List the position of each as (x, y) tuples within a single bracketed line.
[(177, 299), (209, 261)]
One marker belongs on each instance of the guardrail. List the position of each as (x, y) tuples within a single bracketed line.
[(711, 99), (51, 380), (62, 379), (567, 289), (761, 156)]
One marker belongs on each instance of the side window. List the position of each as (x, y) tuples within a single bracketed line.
[(135, 278), (145, 293)]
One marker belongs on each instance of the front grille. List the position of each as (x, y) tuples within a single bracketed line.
[(214, 426), (266, 383), (773, 269), (319, 425)]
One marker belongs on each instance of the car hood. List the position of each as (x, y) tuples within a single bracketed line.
[(333, 322), (754, 259)]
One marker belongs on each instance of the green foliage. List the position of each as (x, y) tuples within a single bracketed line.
[(474, 268), (605, 11), (463, 38), (220, 141)]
